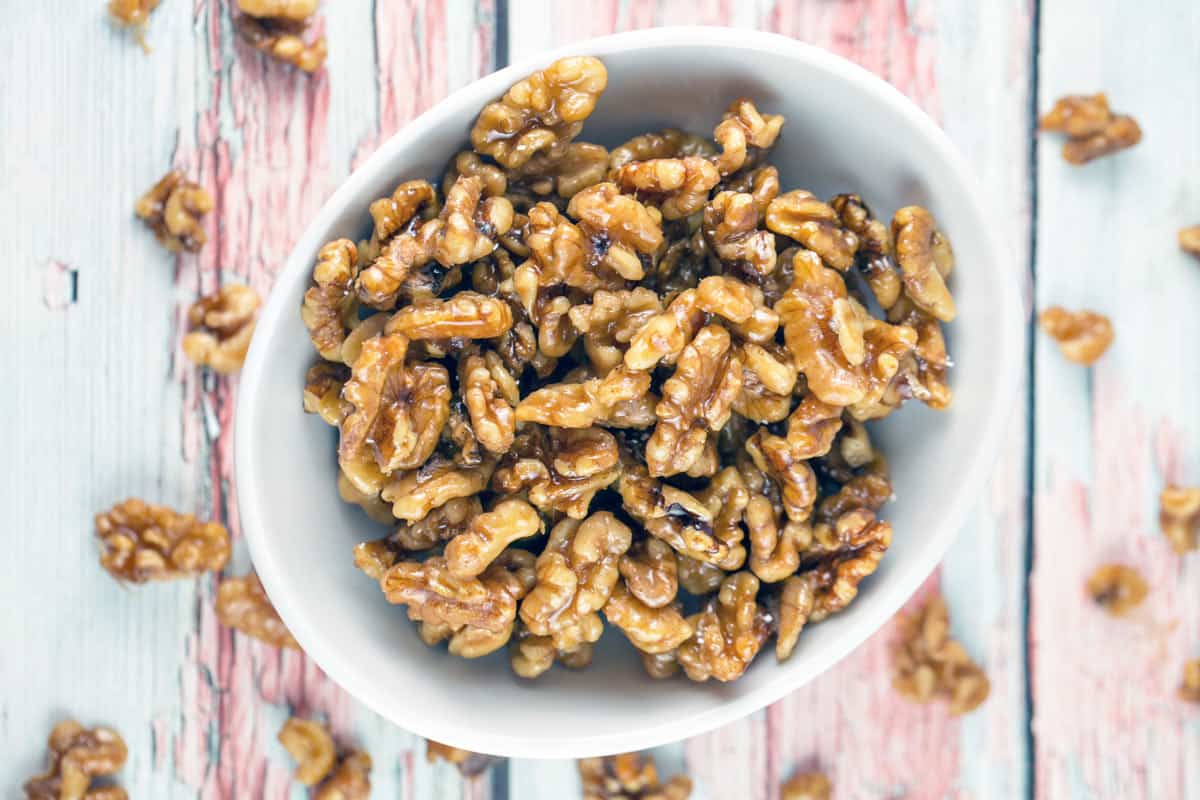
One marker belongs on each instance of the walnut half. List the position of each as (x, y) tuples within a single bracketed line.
[(78, 756), (142, 542)]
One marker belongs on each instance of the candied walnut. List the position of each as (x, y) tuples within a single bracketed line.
[(609, 322), (774, 548), (925, 260), (729, 632), (363, 490), (1179, 517), (768, 378), (698, 398), (400, 212), (703, 529), (131, 13), (330, 311), (468, 164), (467, 225), (542, 113), (654, 630), (792, 608), (1077, 115), (629, 776), (395, 267), (311, 746), (1117, 588), (667, 143), (870, 490), (580, 405), (575, 578), (660, 666), (281, 39), (298, 10), (620, 228), (77, 757), (761, 183), (416, 493), (560, 470), (581, 165), (1189, 687), (679, 187), (663, 336), (730, 229), (242, 604), (532, 655), (800, 216), (1083, 336), (650, 572), (698, 577), (434, 595), (221, 326), (924, 370), (140, 542), (323, 391), (172, 209), (807, 786), (875, 258), (862, 542), (1120, 133), (467, 763), (366, 330), (742, 127), (351, 779), (489, 393), (397, 409), (466, 315), (1189, 240), (560, 254), (785, 460), (928, 663), (472, 551)]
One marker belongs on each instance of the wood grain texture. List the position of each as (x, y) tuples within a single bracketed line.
[(1107, 723)]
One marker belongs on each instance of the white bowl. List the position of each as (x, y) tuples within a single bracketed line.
[(846, 131)]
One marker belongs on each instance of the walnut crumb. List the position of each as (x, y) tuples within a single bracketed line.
[(807, 786), (1092, 129), (1189, 240), (1179, 517), (1117, 588)]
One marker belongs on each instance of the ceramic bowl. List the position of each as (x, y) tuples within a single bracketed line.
[(846, 131)]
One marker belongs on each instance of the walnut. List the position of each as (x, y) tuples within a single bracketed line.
[(489, 393), (173, 208), (560, 470), (660, 666), (1189, 240), (811, 429), (807, 786), (330, 311), (870, 490), (221, 326), (414, 494), (685, 521), (1092, 129), (928, 663), (1189, 688), (311, 746), (78, 756), (350, 779), (768, 378), (363, 491), (650, 572), (323, 391), (579, 166), (679, 187), (1117, 588), (542, 113), (863, 540), (468, 164), (468, 764), (729, 632), (800, 216), (667, 143), (609, 322), (792, 608), (741, 128), (875, 258), (281, 38), (1179, 517), (654, 630), (440, 525), (242, 604), (622, 228), (761, 183), (774, 548), (469, 553), (731, 231), (284, 9), (560, 255), (924, 370), (1083, 336), (132, 13), (580, 405), (925, 260), (434, 595), (697, 577), (629, 776), (575, 577), (663, 336), (532, 655), (141, 542), (466, 315), (468, 225)]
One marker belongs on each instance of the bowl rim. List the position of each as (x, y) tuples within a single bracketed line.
[(340, 666)]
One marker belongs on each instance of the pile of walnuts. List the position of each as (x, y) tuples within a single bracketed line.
[(626, 387)]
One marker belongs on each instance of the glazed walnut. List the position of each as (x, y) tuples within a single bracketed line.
[(580, 165), (925, 260), (861, 542), (651, 630), (678, 187), (625, 229), (472, 551), (1179, 517), (330, 311), (490, 394), (311, 747), (742, 132), (650, 572), (1083, 336), (542, 113), (416, 493), (731, 231), (133, 14), (1092, 129), (298, 10), (77, 757), (807, 786), (221, 326), (242, 604), (560, 470), (1117, 588), (792, 608), (583, 404), (466, 315), (323, 391), (629, 776), (728, 633), (140, 542), (929, 664), (667, 143), (434, 595), (1189, 240), (173, 209), (1189, 687), (800, 216), (468, 764), (875, 258), (685, 521), (281, 38), (350, 780)]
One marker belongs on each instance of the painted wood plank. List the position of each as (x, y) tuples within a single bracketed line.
[(1107, 723)]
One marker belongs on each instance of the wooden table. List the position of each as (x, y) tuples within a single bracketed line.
[(101, 404)]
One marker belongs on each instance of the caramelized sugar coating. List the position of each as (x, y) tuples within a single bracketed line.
[(281, 36)]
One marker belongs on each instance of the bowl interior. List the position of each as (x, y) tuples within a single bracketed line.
[(845, 131)]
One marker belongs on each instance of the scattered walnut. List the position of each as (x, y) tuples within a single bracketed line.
[(925, 260), (78, 756), (630, 776), (1189, 688), (350, 779), (650, 572), (1117, 588), (729, 632), (242, 604), (731, 231), (800, 216), (173, 208), (807, 786), (928, 663), (311, 746), (330, 311), (1189, 240), (542, 113), (298, 10), (1179, 517), (741, 128), (323, 391), (1077, 115), (470, 553), (221, 327), (679, 187), (1083, 336), (133, 14), (468, 763), (281, 39), (141, 542)]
